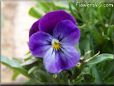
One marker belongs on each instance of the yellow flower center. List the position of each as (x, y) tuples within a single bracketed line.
[(56, 44)]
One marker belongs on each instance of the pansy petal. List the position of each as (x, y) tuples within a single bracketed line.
[(55, 61), (67, 32), (39, 43), (50, 20), (51, 61), (69, 57), (34, 28)]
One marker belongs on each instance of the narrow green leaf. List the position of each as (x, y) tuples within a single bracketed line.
[(45, 6), (15, 74), (96, 74), (10, 62), (13, 64), (32, 69), (28, 57), (34, 12), (41, 75), (30, 61), (100, 58), (97, 36), (110, 31)]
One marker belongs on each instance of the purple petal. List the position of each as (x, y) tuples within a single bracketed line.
[(39, 43), (69, 57), (51, 61), (34, 28), (67, 32), (51, 19), (55, 62)]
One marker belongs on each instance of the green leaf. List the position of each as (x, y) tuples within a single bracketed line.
[(13, 64), (10, 62), (84, 44), (41, 75), (34, 12), (32, 69), (45, 6), (29, 61), (96, 74), (15, 74), (97, 36), (100, 58), (28, 56), (110, 31)]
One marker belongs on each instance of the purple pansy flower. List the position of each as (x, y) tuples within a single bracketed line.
[(53, 38)]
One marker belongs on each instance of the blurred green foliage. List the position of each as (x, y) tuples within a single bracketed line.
[(96, 46)]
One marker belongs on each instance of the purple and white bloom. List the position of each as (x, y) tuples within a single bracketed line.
[(53, 38)]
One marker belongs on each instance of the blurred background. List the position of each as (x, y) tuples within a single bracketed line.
[(15, 25)]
